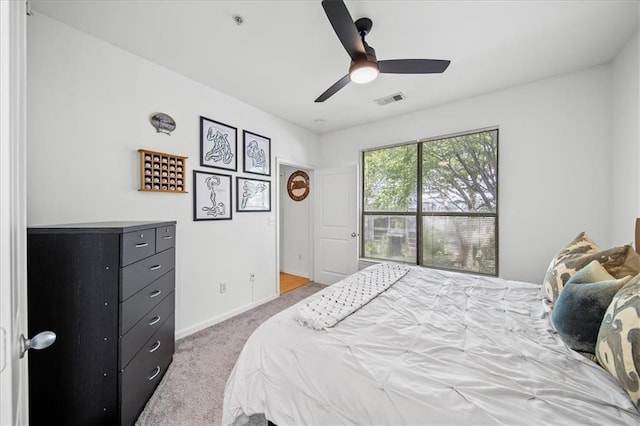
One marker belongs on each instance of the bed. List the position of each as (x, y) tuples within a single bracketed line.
[(435, 347)]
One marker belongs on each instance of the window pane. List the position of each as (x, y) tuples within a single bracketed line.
[(390, 179), (460, 174), (390, 237), (459, 242)]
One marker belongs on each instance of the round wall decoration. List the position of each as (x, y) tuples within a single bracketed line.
[(298, 185)]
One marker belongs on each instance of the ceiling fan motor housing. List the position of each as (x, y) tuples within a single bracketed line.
[(364, 25)]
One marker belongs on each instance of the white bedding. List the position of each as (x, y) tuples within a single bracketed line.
[(435, 348)]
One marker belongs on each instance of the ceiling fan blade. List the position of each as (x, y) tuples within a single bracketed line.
[(334, 89), (344, 27), (413, 66)]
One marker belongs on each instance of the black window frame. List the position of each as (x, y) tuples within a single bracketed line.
[(419, 213)]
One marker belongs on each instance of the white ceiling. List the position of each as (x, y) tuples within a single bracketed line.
[(286, 54)]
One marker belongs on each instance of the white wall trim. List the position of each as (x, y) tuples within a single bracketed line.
[(284, 162), (213, 321), (13, 276)]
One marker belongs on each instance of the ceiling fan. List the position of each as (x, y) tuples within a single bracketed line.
[(364, 64)]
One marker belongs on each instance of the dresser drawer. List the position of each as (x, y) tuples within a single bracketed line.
[(143, 301), (136, 276), (142, 375), (165, 237), (131, 342), (137, 245)]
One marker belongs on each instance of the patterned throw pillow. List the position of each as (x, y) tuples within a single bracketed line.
[(614, 261), (580, 307), (580, 246), (618, 345)]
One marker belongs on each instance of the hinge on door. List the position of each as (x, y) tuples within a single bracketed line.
[(27, 7)]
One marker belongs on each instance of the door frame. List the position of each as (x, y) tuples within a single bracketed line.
[(279, 181), (14, 396)]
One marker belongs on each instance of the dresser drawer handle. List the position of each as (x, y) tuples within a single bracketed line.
[(155, 373), (167, 237), (155, 346), (155, 294), (155, 268), (154, 320), (140, 245)]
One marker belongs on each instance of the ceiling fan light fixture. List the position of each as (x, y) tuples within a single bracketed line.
[(363, 72)]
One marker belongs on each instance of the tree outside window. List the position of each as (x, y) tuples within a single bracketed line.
[(452, 222)]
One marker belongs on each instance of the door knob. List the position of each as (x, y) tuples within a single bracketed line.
[(41, 340), (353, 234)]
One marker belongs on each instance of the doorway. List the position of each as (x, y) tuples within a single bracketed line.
[(295, 233)]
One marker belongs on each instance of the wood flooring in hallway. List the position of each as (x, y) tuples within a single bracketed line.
[(290, 282)]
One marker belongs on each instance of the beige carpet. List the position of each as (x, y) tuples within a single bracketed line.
[(192, 390)]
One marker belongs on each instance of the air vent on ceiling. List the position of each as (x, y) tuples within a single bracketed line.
[(390, 99)]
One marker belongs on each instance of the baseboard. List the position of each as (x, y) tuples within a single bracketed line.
[(296, 273), (213, 321)]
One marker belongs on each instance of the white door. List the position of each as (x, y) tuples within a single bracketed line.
[(13, 304), (336, 223)]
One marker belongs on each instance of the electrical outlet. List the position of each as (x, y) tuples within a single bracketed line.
[(223, 287), (252, 277)]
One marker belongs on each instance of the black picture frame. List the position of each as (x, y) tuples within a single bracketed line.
[(253, 195), (218, 145), (257, 153), (212, 196)]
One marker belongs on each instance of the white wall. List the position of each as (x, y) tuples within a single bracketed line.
[(625, 144), (554, 160), (88, 112), (295, 237)]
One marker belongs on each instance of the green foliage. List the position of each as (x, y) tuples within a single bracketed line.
[(390, 180), (372, 249), (461, 173)]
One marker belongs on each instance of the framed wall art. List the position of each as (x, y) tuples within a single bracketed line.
[(211, 196), (254, 195), (218, 145), (257, 153)]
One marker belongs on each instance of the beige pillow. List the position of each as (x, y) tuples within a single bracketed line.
[(630, 266), (618, 344), (592, 273)]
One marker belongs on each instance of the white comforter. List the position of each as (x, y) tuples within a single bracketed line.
[(435, 348)]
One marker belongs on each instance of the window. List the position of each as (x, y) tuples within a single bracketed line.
[(451, 222)]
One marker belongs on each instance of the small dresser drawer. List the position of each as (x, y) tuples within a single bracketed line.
[(137, 245), (143, 374), (165, 237), (136, 276), (143, 301), (131, 342)]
